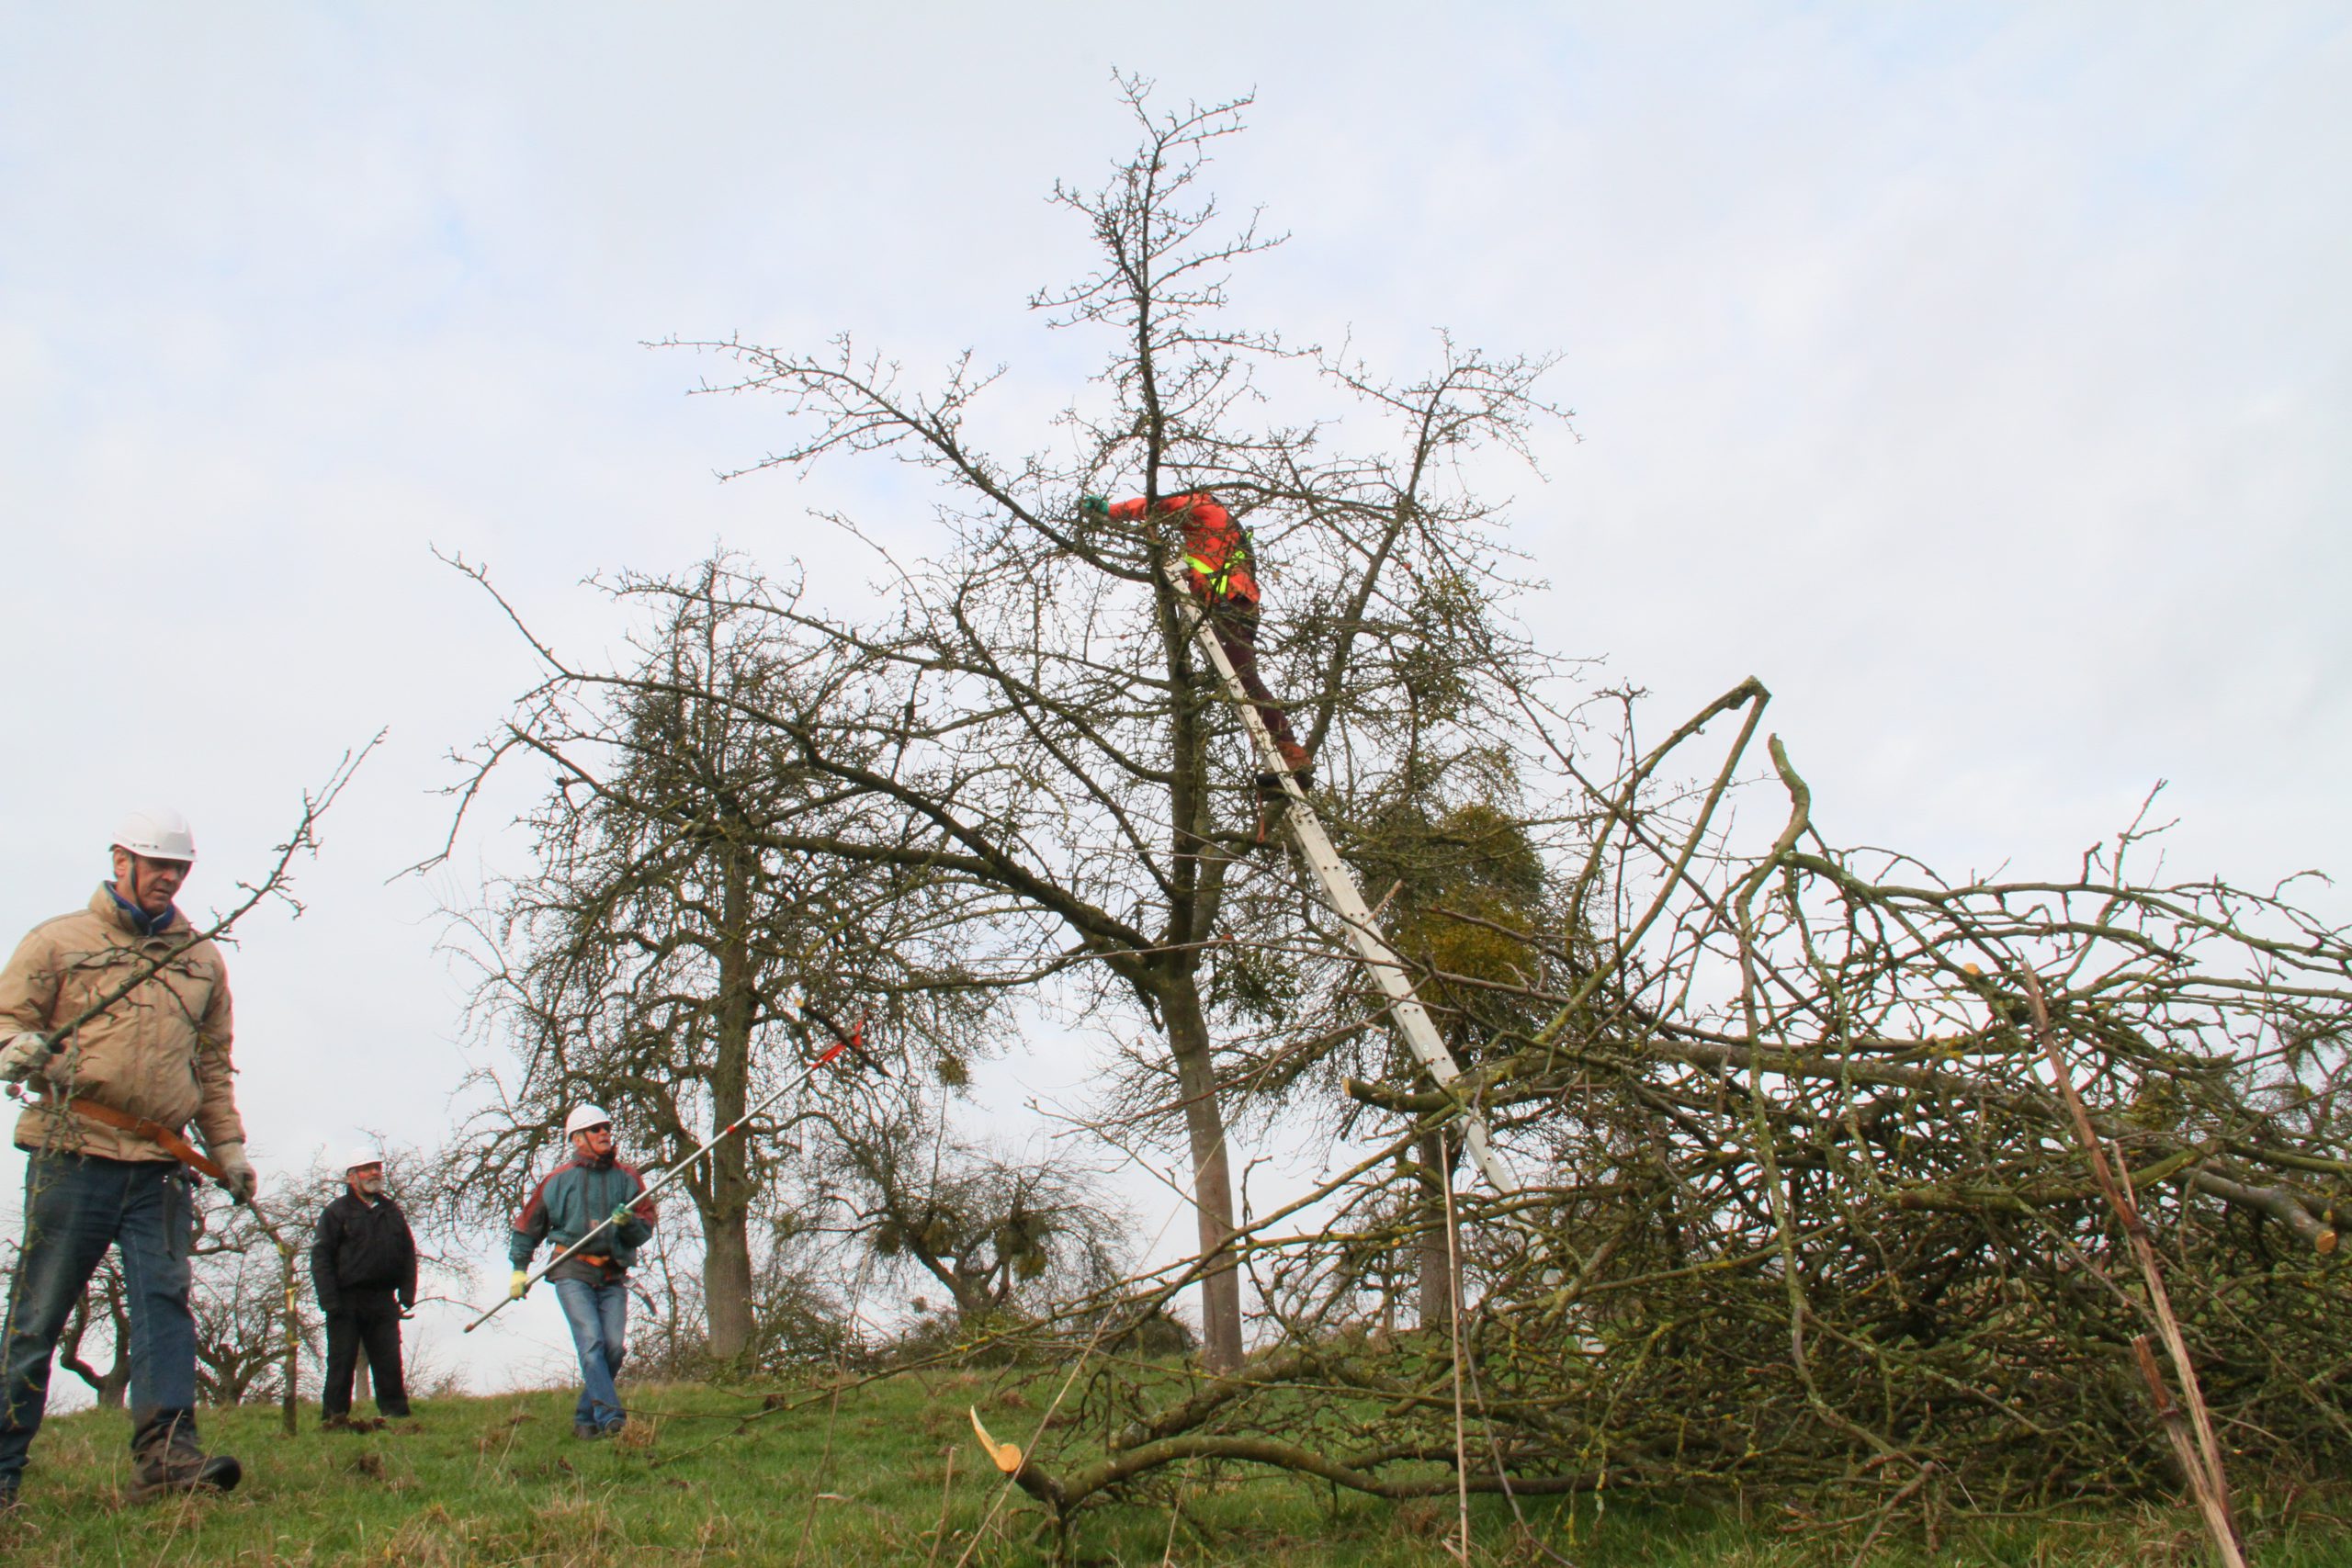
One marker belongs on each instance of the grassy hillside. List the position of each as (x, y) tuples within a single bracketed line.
[(503, 1481)]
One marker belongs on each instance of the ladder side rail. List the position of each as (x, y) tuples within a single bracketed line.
[(1413, 1021), (1340, 890)]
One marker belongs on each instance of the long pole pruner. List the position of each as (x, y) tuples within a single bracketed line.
[(853, 1041)]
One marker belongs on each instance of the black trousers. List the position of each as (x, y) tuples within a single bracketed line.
[(369, 1320), (1235, 621)]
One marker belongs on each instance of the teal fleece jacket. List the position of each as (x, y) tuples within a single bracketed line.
[(571, 1200)]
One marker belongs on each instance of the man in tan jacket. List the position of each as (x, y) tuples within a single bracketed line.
[(114, 1086)]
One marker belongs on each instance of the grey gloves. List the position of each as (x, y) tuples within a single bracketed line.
[(28, 1056), (236, 1172)]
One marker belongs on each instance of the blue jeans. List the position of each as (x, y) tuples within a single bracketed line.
[(599, 1318), (75, 1207)]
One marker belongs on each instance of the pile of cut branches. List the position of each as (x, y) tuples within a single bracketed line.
[(1807, 1213)]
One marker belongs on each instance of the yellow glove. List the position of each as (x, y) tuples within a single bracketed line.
[(518, 1285)]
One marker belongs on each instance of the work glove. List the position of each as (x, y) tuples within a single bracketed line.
[(24, 1056), (408, 1310), (236, 1171), (61, 1071), (518, 1285), (1093, 509), (622, 1214)]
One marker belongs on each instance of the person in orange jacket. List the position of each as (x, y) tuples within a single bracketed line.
[(1216, 566)]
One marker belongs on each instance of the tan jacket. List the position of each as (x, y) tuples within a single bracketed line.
[(162, 1052)]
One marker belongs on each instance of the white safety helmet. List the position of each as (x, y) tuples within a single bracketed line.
[(359, 1155), (159, 834), (583, 1117)]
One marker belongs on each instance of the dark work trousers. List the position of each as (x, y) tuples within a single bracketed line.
[(369, 1320), (1236, 624)]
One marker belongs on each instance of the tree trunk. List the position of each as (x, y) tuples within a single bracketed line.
[(1188, 1042), (1437, 1267), (111, 1386), (974, 1306), (726, 1220), (727, 1281), (1176, 988)]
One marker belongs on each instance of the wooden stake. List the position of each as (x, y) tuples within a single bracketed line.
[(2193, 1443), (293, 1338)]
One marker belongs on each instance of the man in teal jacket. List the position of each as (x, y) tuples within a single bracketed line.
[(592, 1284)]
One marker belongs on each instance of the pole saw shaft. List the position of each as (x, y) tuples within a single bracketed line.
[(667, 1176)]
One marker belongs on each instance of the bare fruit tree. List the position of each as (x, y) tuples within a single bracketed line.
[(1004, 1237), (1056, 746), (244, 1316), (659, 956), (105, 1308)]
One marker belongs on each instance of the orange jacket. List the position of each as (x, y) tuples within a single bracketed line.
[(1216, 552)]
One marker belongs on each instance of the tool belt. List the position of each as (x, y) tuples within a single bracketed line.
[(155, 1132)]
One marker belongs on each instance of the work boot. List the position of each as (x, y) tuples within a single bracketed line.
[(166, 1459), (8, 1500), (1269, 810), (586, 1431), (334, 1423)]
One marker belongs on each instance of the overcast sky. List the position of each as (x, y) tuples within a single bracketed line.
[(1977, 377)]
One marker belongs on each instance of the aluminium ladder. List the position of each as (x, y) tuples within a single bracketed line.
[(1340, 890)]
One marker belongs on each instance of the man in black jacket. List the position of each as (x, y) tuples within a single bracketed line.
[(364, 1266)]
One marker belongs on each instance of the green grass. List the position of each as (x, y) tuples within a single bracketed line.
[(503, 1481)]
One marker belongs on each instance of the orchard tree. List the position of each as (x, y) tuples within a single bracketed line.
[(1057, 744), (1004, 1237), (1016, 750), (105, 1307), (661, 956)]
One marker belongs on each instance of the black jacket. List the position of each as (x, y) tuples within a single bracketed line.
[(363, 1247)]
